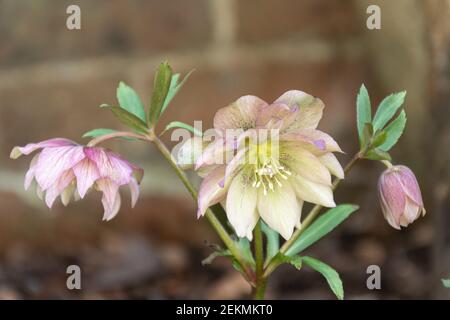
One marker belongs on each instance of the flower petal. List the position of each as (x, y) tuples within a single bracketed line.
[(310, 109), (330, 161), (304, 163), (392, 196), (276, 116), (134, 189), (218, 152), (241, 205), (67, 194), (210, 192), (53, 162), (241, 114), (87, 173), (313, 192), (319, 139), (58, 187), (31, 172), (280, 209), (409, 184), (110, 165), (110, 198), (29, 148)]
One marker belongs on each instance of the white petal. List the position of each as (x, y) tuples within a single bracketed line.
[(241, 205), (331, 162), (280, 209), (313, 192)]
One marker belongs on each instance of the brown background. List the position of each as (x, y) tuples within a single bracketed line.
[(52, 81)]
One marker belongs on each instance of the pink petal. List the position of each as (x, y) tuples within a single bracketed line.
[(29, 148), (87, 173), (210, 192), (30, 173), (276, 115), (110, 198), (58, 187), (134, 189), (409, 183), (392, 195), (110, 165), (317, 138), (53, 162), (241, 114), (310, 109), (216, 153)]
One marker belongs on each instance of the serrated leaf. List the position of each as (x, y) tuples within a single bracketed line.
[(394, 131), (161, 85), (377, 154), (332, 277), (130, 101), (128, 118), (446, 283), (363, 110), (322, 226), (366, 136), (273, 241), (179, 124), (387, 109), (174, 88), (103, 131)]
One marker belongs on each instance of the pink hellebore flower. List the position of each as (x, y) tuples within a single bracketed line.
[(65, 168), (400, 197), (269, 178)]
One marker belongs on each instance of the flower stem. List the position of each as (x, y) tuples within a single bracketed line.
[(223, 234), (258, 293), (273, 264)]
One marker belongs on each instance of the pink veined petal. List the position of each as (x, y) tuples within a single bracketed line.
[(110, 165), (87, 173), (310, 109), (30, 173), (409, 183), (110, 197), (53, 162), (29, 148), (412, 211), (393, 195), (276, 115), (241, 114), (58, 187), (210, 192), (134, 189)]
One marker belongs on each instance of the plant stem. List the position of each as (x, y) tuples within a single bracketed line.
[(118, 134), (259, 258), (273, 264), (223, 234)]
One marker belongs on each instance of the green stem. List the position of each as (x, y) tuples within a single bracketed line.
[(259, 259), (273, 264), (223, 234)]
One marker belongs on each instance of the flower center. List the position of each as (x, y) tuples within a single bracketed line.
[(267, 170)]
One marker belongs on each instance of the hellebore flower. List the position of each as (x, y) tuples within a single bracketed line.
[(67, 169), (269, 177), (400, 197)]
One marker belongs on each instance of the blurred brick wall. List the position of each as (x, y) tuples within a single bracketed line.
[(52, 80)]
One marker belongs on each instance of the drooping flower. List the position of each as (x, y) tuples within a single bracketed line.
[(400, 197), (271, 176), (67, 169)]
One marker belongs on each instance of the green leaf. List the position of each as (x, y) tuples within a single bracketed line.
[(130, 101), (394, 131), (322, 226), (446, 283), (128, 118), (273, 241), (332, 277), (387, 109), (179, 124), (378, 139), (174, 88), (161, 85), (377, 154), (103, 131), (363, 110), (366, 137)]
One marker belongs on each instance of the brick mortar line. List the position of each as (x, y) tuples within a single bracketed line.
[(73, 71)]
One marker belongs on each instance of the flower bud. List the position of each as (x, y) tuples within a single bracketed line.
[(400, 197)]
